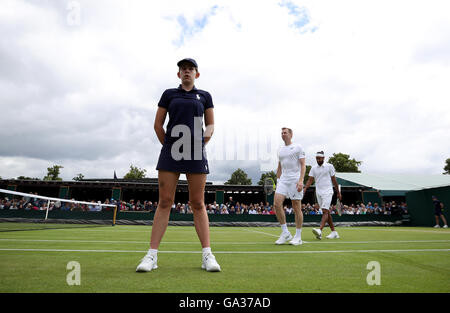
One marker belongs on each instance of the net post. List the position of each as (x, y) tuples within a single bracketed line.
[(46, 211), (114, 215)]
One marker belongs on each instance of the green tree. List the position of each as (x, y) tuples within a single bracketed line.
[(53, 172), (273, 175), (270, 174), (447, 167), (308, 168), (135, 173), (239, 177), (78, 177), (343, 164), (26, 178)]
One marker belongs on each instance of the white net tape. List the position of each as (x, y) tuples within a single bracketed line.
[(29, 195)]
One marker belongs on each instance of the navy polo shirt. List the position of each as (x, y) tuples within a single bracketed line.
[(437, 207), (182, 106), (437, 204)]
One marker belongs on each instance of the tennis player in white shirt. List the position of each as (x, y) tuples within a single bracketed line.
[(324, 175), (290, 174)]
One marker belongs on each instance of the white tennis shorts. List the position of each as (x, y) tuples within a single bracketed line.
[(324, 200), (288, 188)]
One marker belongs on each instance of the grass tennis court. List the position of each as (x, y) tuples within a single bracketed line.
[(411, 260)]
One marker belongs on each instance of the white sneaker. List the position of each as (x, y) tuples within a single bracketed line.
[(296, 241), (333, 235), (284, 237), (437, 226), (445, 226), (209, 263), (317, 232), (148, 263)]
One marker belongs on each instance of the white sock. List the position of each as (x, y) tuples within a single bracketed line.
[(206, 250), (284, 228), (298, 233), (153, 252)]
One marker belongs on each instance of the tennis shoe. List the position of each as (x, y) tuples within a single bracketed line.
[(317, 232), (148, 263), (296, 241), (209, 263), (445, 226), (284, 237), (333, 235), (437, 226)]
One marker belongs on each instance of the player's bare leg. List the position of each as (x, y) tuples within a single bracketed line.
[(325, 216), (167, 182), (323, 221), (444, 220), (281, 217), (196, 186), (330, 221), (278, 205), (297, 206), (437, 221), (334, 234)]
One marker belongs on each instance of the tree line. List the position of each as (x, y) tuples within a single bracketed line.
[(341, 162)]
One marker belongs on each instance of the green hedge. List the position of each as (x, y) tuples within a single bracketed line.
[(79, 215), (421, 208), (126, 215), (259, 218)]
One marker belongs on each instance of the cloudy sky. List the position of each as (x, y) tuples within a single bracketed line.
[(80, 82)]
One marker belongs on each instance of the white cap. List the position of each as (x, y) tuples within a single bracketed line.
[(320, 154)]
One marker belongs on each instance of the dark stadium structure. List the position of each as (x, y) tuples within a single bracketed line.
[(147, 189)]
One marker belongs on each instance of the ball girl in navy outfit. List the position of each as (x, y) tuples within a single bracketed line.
[(183, 151)]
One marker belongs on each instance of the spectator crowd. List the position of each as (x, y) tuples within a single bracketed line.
[(230, 207), (30, 203)]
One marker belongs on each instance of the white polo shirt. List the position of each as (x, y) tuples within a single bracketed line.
[(289, 159), (322, 178)]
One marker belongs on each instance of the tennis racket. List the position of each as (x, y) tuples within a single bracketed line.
[(339, 204), (269, 186)]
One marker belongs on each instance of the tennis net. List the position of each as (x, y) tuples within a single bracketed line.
[(27, 211)]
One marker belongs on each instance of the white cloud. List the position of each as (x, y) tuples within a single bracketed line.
[(365, 78)]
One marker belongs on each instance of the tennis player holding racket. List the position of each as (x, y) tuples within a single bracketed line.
[(324, 175), (183, 152), (290, 174)]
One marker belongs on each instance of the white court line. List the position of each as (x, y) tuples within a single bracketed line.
[(72, 240), (215, 230), (438, 231), (230, 252), (261, 232), (148, 230), (220, 242), (376, 241)]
